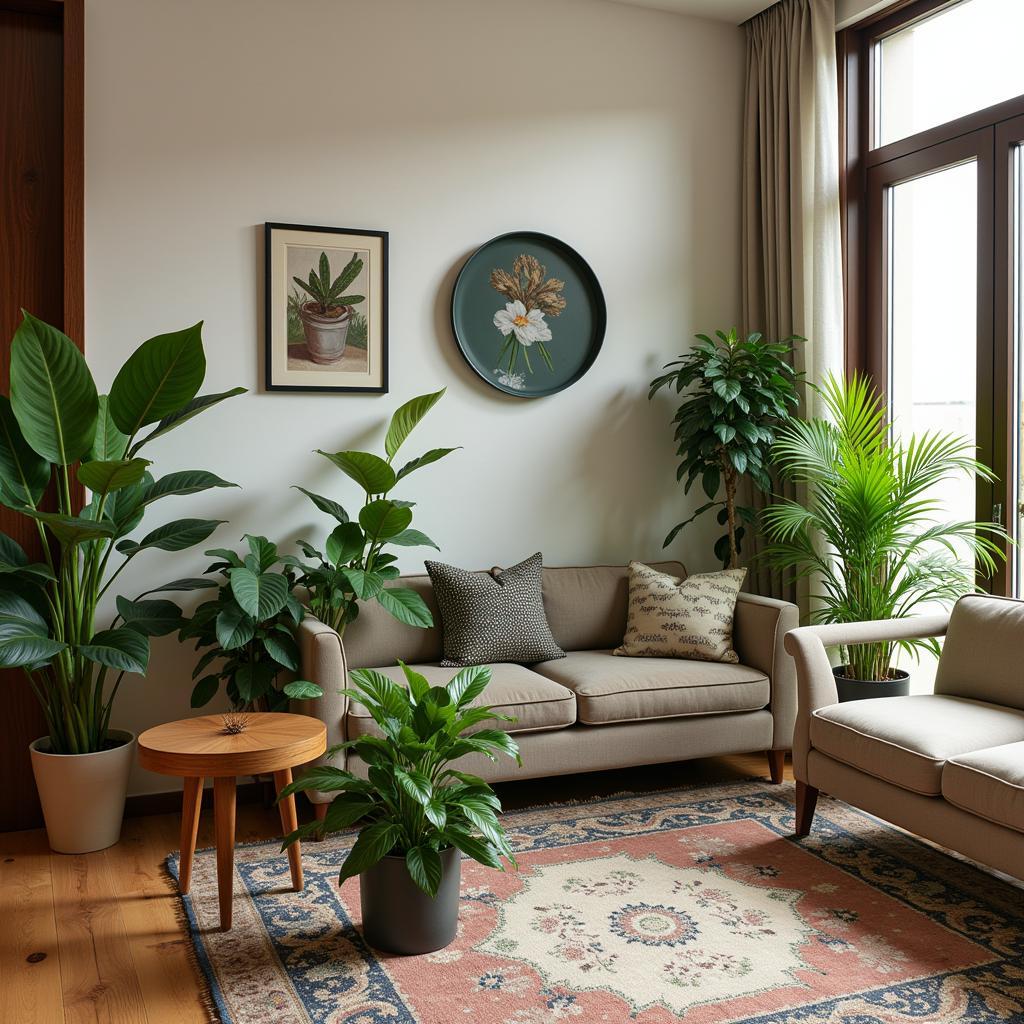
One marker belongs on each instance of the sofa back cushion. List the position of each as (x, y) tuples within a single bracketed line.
[(981, 658), (586, 608)]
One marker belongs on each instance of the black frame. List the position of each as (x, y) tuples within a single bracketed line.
[(600, 313), (268, 385)]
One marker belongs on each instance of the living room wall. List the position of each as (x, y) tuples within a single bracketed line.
[(445, 123)]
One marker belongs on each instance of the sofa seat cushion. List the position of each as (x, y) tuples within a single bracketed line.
[(989, 783), (536, 702), (907, 740), (610, 689)]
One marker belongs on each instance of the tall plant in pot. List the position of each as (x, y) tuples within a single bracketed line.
[(55, 430), (737, 392), (871, 534), (416, 812), (328, 313)]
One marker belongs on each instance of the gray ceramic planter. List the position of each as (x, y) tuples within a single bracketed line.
[(326, 336), (399, 917), (865, 689)]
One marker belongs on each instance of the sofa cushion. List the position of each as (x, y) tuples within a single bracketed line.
[(995, 625), (907, 740), (536, 702), (989, 783), (610, 689)]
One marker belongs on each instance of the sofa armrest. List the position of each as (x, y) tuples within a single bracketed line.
[(759, 628), (816, 685), (323, 662)]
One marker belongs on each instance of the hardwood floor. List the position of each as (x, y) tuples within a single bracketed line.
[(98, 939)]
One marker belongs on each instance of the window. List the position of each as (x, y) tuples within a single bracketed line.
[(934, 234)]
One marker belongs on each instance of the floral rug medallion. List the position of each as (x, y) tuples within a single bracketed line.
[(693, 906)]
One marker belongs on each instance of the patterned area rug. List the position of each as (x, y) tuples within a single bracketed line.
[(690, 905)]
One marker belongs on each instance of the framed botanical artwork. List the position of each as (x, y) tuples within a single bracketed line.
[(528, 314), (326, 326)]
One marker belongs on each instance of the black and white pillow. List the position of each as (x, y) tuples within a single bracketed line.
[(493, 617)]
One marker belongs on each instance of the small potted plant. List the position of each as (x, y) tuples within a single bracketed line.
[(328, 312), (247, 630), (417, 812), (868, 533)]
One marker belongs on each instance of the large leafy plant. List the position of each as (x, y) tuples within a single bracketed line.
[(53, 422), (414, 804), (741, 390), (355, 563), (870, 533), (246, 632)]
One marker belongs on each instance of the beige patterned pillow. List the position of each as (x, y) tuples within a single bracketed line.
[(671, 617)]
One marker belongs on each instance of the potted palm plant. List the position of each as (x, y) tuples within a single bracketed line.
[(56, 429), (417, 813), (869, 533), (328, 313)]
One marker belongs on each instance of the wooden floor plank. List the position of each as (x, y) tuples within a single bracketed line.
[(29, 964), (98, 974)]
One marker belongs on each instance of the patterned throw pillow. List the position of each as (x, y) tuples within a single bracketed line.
[(493, 616), (671, 617)]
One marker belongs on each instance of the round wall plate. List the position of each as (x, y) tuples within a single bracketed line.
[(528, 314)]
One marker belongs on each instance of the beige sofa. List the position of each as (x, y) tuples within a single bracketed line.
[(947, 765), (589, 710)]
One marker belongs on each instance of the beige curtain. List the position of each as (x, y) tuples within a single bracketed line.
[(791, 255)]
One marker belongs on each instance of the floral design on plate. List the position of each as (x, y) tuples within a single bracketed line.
[(655, 925), (532, 295)]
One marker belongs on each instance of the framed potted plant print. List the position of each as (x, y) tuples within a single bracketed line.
[(326, 326)]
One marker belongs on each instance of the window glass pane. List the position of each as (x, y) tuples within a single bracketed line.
[(932, 325), (957, 61)]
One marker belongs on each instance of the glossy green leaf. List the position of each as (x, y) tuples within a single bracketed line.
[(345, 543), (259, 595), (23, 473), (161, 377), (183, 415), (104, 477), (405, 418), (181, 586), (412, 539), (108, 444), (151, 618), (383, 519), (366, 584), (70, 530), (188, 481), (371, 472), (406, 605), (373, 844), (53, 396), (424, 866), (283, 649), (24, 633), (264, 553), (424, 460), (234, 628), (124, 649), (175, 536), (328, 505), (204, 691)]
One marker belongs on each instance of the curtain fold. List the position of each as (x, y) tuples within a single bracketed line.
[(790, 247)]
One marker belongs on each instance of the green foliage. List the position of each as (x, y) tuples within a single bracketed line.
[(869, 533), (328, 293), (742, 389), (355, 563), (53, 419), (246, 631), (414, 804)]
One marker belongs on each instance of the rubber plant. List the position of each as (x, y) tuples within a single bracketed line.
[(870, 533), (740, 390), (55, 429), (247, 629), (355, 563), (413, 803)]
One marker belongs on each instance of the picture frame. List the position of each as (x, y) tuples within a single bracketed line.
[(326, 309)]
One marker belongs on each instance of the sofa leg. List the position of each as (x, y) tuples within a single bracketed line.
[(777, 765), (320, 810), (806, 799)]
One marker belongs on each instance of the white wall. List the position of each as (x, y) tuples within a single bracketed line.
[(445, 123)]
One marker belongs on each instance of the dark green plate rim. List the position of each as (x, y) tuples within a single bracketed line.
[(592, 286)]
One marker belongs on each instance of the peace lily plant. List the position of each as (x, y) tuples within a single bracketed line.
[(57, 432)]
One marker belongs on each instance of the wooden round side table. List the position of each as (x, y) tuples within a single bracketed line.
[(200, 748)]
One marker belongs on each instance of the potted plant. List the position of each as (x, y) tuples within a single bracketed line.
[(869, 533), (743, 388), (328, 312), (53, 422), (416, 812), (355, 563), (247, 628)]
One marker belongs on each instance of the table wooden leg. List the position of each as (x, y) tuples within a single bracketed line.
[(290, 822), (190, 804), (224, 814)]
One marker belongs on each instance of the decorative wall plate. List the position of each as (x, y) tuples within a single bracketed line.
[(528, 314)]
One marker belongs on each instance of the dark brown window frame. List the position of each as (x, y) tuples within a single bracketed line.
[(985, 135)]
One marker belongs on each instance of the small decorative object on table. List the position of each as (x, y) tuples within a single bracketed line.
[(528, 314), (417, 812), (199, 748), (326, 309)]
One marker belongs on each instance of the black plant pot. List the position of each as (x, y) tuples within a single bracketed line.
[(865, 689), (399, 917)]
